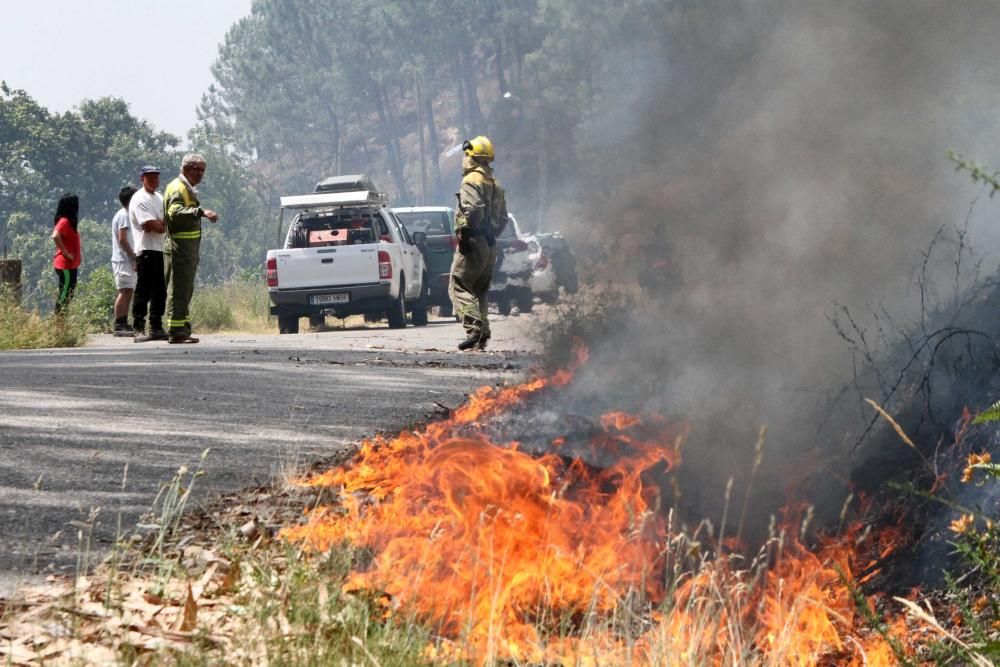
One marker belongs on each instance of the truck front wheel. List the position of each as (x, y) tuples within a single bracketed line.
[(397, 311), (288, 324)]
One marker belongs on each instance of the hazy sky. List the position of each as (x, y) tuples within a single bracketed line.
[(155, 54)]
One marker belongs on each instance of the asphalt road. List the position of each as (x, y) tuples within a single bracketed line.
[(88, 436)]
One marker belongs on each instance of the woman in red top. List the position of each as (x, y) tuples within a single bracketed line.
[(67, 239)]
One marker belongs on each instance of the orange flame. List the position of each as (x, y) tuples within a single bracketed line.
[(515, 556)]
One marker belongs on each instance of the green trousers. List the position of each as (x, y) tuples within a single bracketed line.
[(180, 263), (471, 275)]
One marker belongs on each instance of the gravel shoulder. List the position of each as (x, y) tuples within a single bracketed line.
[(88, 436)]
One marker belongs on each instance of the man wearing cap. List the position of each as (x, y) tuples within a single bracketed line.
[(182, 214), (146, 214)]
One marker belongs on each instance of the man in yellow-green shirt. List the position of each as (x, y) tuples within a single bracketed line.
[(182, 214)]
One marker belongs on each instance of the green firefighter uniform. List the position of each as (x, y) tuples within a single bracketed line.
[(182, 215), (482, 209)]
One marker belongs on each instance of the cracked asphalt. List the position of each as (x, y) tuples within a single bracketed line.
[(89, 436)]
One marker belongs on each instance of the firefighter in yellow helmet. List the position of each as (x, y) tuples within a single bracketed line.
[(480, 218)]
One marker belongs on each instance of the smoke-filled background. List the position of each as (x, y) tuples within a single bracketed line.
[(782, 160)]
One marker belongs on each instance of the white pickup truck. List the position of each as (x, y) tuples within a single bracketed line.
[(345, 253)]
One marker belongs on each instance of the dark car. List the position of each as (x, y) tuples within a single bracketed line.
[(438, 223), (556, 248), (513, 270)]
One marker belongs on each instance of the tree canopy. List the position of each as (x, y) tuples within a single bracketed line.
[(93, 151), (306, 88)]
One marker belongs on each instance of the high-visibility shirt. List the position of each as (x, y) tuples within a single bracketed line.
[(181, 211)]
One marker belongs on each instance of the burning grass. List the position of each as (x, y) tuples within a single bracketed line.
[(444, 545), (541, 558)]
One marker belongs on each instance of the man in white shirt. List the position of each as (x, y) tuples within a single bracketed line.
[(123, 262), (146, 214)]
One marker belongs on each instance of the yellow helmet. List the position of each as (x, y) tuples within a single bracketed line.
[(479, 147)]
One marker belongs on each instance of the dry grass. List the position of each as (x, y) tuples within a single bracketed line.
[(235, 306), (22, 329), (230, 593), (204, 588)]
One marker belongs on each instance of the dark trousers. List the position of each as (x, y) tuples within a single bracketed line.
[(67, 285), (150, 291)]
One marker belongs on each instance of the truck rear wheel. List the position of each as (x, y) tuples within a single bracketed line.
[(570, 282), (397, 312), (317, 322), (503, 305), (420, 309), (288, 324), (445, 310), (525, 300)]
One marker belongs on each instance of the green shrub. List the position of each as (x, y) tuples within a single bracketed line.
[(973, 594), (94, 302), (210, 309)]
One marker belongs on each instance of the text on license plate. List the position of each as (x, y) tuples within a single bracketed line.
[(319, 299)]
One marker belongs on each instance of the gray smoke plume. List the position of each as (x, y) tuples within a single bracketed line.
[(763, 161)]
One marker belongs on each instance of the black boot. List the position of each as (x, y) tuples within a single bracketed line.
[(483, 339), (122, 329), (470, 341)]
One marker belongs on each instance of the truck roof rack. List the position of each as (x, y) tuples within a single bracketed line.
[(332, 199), (346, 183)]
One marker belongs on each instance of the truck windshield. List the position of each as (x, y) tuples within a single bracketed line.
[(432, 223), (340, 227)]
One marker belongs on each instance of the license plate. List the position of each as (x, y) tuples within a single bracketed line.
[(320, 299)]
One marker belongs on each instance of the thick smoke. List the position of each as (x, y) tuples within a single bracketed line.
[(779, 156)]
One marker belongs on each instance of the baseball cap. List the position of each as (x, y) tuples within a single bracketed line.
[(148, 169)]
